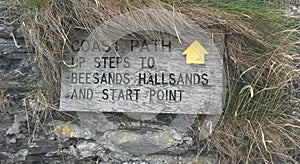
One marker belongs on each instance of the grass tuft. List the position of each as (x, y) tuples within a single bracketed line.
[(29, 5)]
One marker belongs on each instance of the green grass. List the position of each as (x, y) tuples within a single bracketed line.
[(263, 15), (30, 5)]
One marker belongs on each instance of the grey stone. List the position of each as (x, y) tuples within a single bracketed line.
[(86, 149), (95, 121), (157, 158), (141, 116), (19, 156), (5, 31), (13, 140), (22, 153), (15, 128), (4, 126), (137, 143), (71, 130), (16, 68)]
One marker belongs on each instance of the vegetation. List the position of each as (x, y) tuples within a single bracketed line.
[(261, 62)]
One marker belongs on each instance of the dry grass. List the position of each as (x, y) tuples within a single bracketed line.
[(262, 68), (3, 99), (259, 123)]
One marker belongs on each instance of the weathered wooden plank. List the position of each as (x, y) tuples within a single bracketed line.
[(200, 89), (145, 74)]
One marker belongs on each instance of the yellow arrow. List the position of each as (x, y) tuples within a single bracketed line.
[(195, 53)]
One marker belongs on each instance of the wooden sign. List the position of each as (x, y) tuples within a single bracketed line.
[(142, 74)]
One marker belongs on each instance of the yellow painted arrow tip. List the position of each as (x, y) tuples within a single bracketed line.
[(195, 53)]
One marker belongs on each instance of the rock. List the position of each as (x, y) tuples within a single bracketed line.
[(4, 126), (155, 158), (70, 130), (15, 128), (96, 121), (86, 149), (137, 142), (5, 31), (141, 116), (19, 156), (22, 153), (16, 56), (16, 72), (208, 159)]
